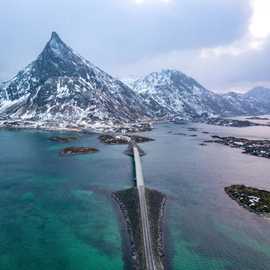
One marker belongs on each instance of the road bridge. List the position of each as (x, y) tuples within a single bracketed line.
[(147, 238)]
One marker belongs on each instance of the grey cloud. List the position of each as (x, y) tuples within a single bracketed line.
[(116, 33)]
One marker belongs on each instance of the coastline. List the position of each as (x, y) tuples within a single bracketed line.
[(266, 216), (128, 205), (132, 241), (98, 128), (127, 251), (250, 198)]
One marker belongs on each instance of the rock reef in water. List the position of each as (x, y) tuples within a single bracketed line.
[(253, 199), (232, 122), (78, 150), (259, 148), (63, 139), (192, 129), (180, 134), (258, 118)]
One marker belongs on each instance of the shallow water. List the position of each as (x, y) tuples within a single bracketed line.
[(56, 212), (207, 230)]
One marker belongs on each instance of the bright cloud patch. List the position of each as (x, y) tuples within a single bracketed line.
[(140, 2), (254, 39), (260, 22)]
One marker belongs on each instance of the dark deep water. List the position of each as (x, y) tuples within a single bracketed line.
[(56, 212)]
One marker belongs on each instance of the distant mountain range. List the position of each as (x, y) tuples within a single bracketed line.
[(172, 93), (61, 86)]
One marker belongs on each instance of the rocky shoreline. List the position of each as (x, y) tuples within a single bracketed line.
[(120, 128), (128, 202), (157, 202), (258, 118), (86, 127), (123, 139), (259, 148), (129, 151), (224, 122), (255, 200)]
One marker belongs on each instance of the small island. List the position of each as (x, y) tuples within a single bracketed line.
[(217, 121), (63, 139), (123, 139), (77, 150), (192, 129), (258, 118), (180, 134), (121, 128), (253, 199), (259, 148), (141, 139)]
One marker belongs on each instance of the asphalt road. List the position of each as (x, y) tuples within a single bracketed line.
[(148, 247)]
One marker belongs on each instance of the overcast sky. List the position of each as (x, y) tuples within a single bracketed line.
[(224, 44)]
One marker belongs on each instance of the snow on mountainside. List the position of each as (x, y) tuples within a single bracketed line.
[(172, 93), (260, 94), (254, 102), (62, 86)]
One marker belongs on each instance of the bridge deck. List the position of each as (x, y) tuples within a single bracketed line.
[(148, 248)]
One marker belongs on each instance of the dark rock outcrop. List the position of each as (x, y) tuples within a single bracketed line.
[(253, 199), (259, 148), (128, 201), (78, 150), (123, 139), (63, 139)]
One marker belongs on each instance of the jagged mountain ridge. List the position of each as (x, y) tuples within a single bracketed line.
[(254, 102), (260, 95), (62, 86), (172, 93)]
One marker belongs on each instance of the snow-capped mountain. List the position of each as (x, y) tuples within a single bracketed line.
[(62, 86), (254, 102), (172, 93), (260, 95)]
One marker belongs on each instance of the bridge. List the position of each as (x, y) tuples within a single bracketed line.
[(150, 260)]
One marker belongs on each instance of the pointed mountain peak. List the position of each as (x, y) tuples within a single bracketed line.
[(55, 47), (55, 39), (58, 59), (56, 43), (55, 36)]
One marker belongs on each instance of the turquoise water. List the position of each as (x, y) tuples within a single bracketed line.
[(56, 212)]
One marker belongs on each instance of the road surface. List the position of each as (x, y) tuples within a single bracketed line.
[(148, 248)]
